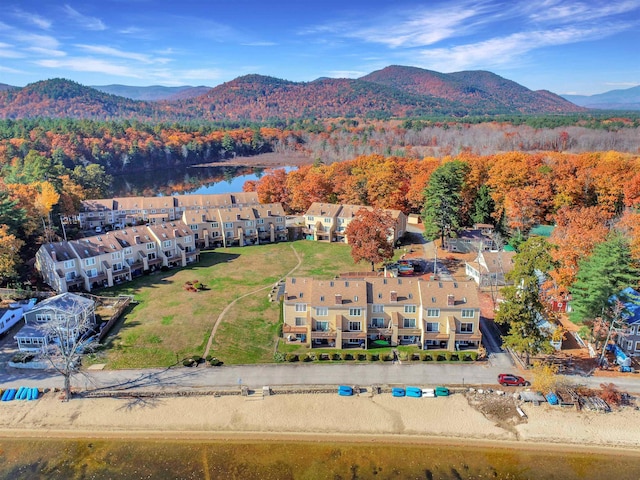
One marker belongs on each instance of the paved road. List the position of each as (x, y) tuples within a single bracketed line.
[(257, 376)]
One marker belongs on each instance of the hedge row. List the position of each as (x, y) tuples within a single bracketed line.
[(436, 356)]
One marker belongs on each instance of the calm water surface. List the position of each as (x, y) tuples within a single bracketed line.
[(139, 459)]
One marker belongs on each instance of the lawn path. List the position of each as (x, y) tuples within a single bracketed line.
[(228, 307)]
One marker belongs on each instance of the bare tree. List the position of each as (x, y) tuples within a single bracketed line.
[(68, 337)]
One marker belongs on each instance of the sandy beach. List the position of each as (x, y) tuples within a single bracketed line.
[(315, 417)]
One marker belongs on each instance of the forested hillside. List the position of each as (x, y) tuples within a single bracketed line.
[(392, 92)]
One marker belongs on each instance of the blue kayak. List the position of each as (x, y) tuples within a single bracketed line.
[(345, 391), (414, 392), (442, 392), (398, 392)]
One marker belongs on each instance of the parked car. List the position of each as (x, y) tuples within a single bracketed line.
[(508, 379), (98, 229)]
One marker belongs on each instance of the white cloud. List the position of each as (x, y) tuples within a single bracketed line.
[(37, 41), (85, 21), (555, 11), (48, 52), (503, 50), (114, 52), (33, 19), (10, 70), (86, 64)]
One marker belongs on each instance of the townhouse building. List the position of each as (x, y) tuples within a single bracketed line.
[(237, 225), (116, 256), (344, 313), (491, 268), (328, 222), (122, 211), (629, 338)]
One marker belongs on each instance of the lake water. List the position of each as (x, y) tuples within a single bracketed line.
[(186, 180), (138, 459)]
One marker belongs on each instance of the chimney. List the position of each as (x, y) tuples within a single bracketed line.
[(338, 299), (136, 239), (175, 233), (451, 300), (394, 296)]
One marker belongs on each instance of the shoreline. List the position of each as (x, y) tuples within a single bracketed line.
[(258, 437), (289, 418)]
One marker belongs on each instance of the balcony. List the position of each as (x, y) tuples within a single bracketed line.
[(409, 331), (348, 335), (436, 336), (323, 334)]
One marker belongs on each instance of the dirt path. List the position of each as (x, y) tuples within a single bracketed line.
[(228, 307)]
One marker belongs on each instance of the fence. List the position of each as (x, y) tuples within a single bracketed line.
[(122, 302)]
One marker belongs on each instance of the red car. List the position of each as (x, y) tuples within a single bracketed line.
[(507, 379)]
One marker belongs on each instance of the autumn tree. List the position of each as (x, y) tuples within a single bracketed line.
[(9, 254), (522, 308), (443, 200), (370, 234)]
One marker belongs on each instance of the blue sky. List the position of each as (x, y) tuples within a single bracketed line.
[(565, 46)]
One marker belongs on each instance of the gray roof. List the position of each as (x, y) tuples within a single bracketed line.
[(66, 302)]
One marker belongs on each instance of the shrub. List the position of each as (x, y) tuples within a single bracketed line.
[(386, 357), (22, 357), (197, 359), (278, 357), (336, 356), (312, 356), (305, 357), (362, 357), (214, 362), (324, 356), (292, 357), (447, 356), (188, 362), (426, 357), (208, 357), (441, 356), (415, 356), (403, 356), (348, 356), (373, 357), (454, 357)]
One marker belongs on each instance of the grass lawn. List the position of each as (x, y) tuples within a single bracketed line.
[(170, 323)]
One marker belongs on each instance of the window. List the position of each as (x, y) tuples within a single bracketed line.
[(409, 323), (228, 225), (260, 221), (377, 308), (229, 234), (151, 246), (322, 326), (92, 273), (322, 311), (279, 219), (117, 267), (128, 251), (468, 313), (89, 261), (409, 309), (377, 322), (301, 307), (115, 255), (301, 321), (632, 330), (248, 223), (214, 225), (433, 327), (43, 317), (193, 227), (355, 327), (166, 244), (433, 312), (151, 256), (466, 328), (310, 218), (327, 220), (187, 239), (69, 264), (70, 276), (355, 312), (629, 345), (637, 346)]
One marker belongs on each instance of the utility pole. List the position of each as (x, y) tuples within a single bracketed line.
[(64, 232)]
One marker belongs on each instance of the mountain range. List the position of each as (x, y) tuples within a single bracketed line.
[(624, 99), (393, 91)]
